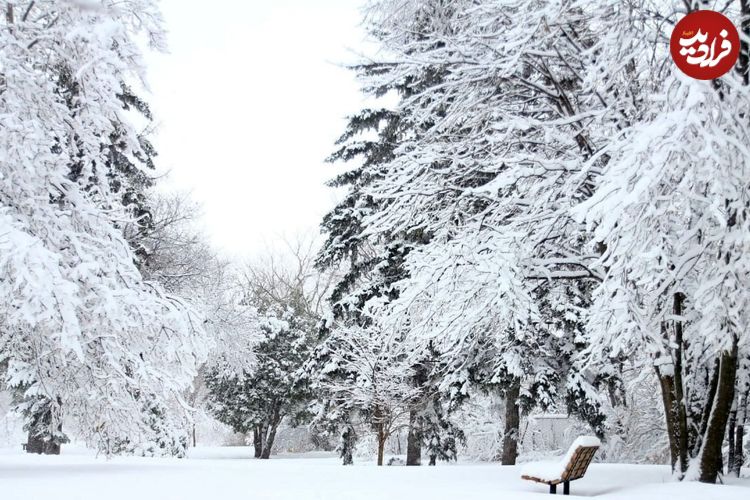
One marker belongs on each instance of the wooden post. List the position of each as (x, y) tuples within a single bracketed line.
[(566, 488), (553, 489)]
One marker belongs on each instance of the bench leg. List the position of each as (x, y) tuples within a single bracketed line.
[(566, 488), (553, 489)]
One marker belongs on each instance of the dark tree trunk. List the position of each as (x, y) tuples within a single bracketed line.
[(276, 418), (672, 394), (195, 437), (683, 440), (382, 438), (349, 439), (731, 435), (739, 455), (261, 440), (666, 383), (711, 457), (512, 423), (414, 440), (433, 460), (256, 442), (268, 445), (381, 432), (713, 383), (739, 435)]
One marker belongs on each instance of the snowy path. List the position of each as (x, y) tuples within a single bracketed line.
[(225, 474)]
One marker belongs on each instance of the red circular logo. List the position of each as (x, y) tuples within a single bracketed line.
[(705, 44)]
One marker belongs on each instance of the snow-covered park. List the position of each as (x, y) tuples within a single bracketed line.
[(231, 473)]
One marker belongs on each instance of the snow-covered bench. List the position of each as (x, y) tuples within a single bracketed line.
[(572, 466)]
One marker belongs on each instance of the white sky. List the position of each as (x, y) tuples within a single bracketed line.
[(249, 102)]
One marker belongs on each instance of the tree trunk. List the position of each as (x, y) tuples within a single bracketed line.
[(682, 428), (382, 438), (739, 436), (276, 418), (739, 455), (666, 383), (731, 435), (269, 441), (710, 456), (512, 422), (713, 384), (256, 442), (261, 441), (348, 440), (195, 437), (414, 440)]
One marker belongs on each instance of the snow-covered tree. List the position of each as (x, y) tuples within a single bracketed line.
[(497, 139), (373, 263), (82, 330), (288, 297), (585, 204), (670, 211), (366, 379), (257, 400), (174, 253)]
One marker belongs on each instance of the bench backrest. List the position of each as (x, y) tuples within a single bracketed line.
[(579, 462)]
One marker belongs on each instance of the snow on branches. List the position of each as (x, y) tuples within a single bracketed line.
[(80, 325), (577, 200)]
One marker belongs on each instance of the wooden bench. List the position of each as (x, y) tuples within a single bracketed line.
[(573, 466)]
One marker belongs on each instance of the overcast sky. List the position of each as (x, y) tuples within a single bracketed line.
[(249, 102)]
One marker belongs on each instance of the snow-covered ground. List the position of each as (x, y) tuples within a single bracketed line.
[(229, 473)]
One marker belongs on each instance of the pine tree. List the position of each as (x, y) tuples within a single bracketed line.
[(83, 332), (258, 400), (373, 265), (127, 178), (489, 171), (288, 299)]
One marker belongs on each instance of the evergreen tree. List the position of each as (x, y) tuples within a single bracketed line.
[(288, 300), (373, 265), (554, 184), (128, 177), (483, 231), (83, 333), (258, 400)]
